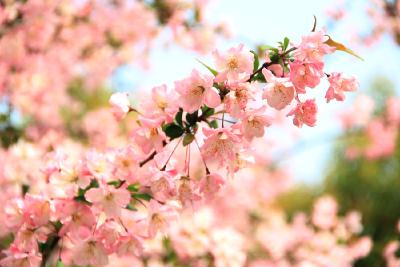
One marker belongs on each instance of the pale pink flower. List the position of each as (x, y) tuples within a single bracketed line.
[(235, 65), (305, 113), (109, 199), (37, 210), (149, 136), (238, 97), (211, 184), (279, 92), (254, 122), (339, 84), (304, 75), (220, 146), (313, 48), (77, 219), (162, 185), (159, 217), (120, 104), (196, 91), (89, 252), (163, 103), (15, 257)]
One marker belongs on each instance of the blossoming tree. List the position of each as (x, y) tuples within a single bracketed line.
[(67, 202)]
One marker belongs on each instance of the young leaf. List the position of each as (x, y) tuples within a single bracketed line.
[(131, 207), (178, 117), (256, 63), (188, 139), (173, 131), (143, 196), (341, 47), (214, 72), (207, 112), (133, 187), (60, 264), (285, 44), (213, 124)]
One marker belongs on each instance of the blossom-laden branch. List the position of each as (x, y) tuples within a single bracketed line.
[(101, 190)]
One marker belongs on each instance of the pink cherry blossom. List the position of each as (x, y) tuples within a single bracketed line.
[(304, 75), (339, 84), (279, 92), (254, 122), (220, 145), (313, 48), (196, 91), (89, 252), (120, 105), (235, 65), (109, 199), (305, 113)]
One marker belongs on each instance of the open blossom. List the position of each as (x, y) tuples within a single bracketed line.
[(36, 210), (210, 184), (77, 219), (196, 91), (339, 84), (305, 113), (279, 92), (219, 145), (163, 103), (120, 105), (160, 216), (149, 136), (238, 97), (254, 122), (313, 48), (304, 75), (162, 185), (89, 252), (235, 65), (15, 257), (109, 199)]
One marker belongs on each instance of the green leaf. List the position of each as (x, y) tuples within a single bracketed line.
[(60, 264), (188, 139), (207, 112), (214, 72), (131, 207), (178, 117), (285, 44), (191, 118), (213, 124), (256, 62), (133, 187), (25, 189), (173, 131), (117, 183), (143, 196), (341, 47)]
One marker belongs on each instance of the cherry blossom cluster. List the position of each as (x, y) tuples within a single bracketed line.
[(40, 54), (87, 204), (375, 135)]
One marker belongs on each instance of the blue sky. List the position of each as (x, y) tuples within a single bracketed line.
[(266, 22)]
